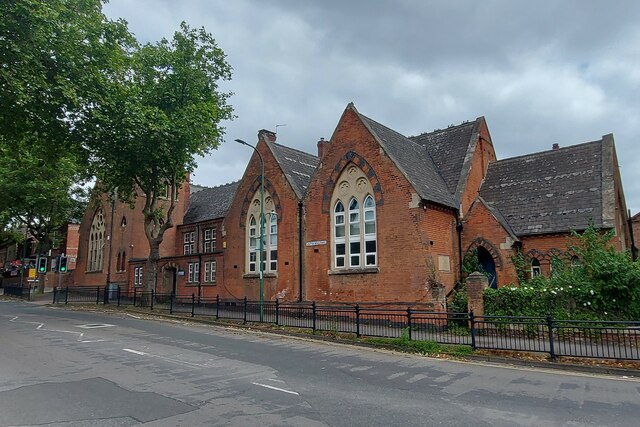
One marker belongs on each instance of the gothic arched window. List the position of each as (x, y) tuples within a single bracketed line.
[(354, 229), (536, 270), (96, 242), (270, 241)]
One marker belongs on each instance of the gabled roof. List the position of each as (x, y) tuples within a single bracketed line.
[(553, 191), (499, 217), (413, 160), (297, 166), (452, 150), (210, 203)]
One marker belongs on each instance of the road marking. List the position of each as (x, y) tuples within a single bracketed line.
[(94, 325), (135, 317), (415, 378), (276, 388), (13, 319), (135, 351), (396, 375)]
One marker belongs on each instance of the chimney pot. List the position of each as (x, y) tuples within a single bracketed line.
[(322, 147), (267, 136), (555, 146)]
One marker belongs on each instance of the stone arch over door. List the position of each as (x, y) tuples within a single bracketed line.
[(170, 278)]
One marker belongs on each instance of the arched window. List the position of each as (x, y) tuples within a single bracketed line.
[(339, 234), (370, 249), (123, 221), (270, 241), (535, 267), (354, 246), (96, 243), (575, 262), (253, 244), (122, 261)]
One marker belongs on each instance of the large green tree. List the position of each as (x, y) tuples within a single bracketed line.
[(56, 59), (166, 110)]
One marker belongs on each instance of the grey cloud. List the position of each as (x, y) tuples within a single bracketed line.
[(540, 72)]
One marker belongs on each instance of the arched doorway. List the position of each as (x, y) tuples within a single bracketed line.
[(169, 280), (486, 261)]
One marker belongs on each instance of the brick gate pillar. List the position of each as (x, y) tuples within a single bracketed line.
[(476, 284)]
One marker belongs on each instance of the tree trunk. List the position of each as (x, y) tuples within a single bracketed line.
[(152, 264)]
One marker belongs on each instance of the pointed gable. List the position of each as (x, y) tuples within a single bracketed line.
[(452, 150), (412, 160), (210, 203), (553, 191)]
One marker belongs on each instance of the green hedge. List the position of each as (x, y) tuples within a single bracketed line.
[(605, 285)]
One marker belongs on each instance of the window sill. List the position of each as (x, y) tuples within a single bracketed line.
[(367, 270), (270, 275), (196, 285)]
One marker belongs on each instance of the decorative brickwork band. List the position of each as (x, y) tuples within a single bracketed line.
[(497, 259)]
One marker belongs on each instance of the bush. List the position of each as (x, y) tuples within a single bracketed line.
[(604, 285)]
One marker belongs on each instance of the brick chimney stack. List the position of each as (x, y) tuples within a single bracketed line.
[(555, 146), (267, 136), (322, 147)]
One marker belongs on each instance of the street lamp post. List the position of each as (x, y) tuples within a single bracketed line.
[(261, 246)]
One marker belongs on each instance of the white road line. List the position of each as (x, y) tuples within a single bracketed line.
[(12, 320), (134, 351), (276, 388), (94, 325), (135, 317)]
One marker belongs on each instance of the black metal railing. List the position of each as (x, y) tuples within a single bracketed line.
[(18, 291), (593, 339)]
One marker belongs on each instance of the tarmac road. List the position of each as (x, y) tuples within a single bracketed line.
[(74, 368)]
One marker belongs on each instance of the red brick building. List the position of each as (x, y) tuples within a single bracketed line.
[(635, 224), (112, 235), (287, 174), (376, 216)]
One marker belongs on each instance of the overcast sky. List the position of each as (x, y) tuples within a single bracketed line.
[(540, 72)]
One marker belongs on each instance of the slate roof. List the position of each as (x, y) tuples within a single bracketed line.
[(553, 191), (413, 160), (451, 151), (297, 166), (210, 203)]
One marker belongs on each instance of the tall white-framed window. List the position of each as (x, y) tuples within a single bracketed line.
[(536, 270), (96, 242), (193, 272), (137, 276), (370, 235), (188, 239), (355, 245), (209, 240), (339, 235), (354, 221), (210, 271), (270, 241)]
